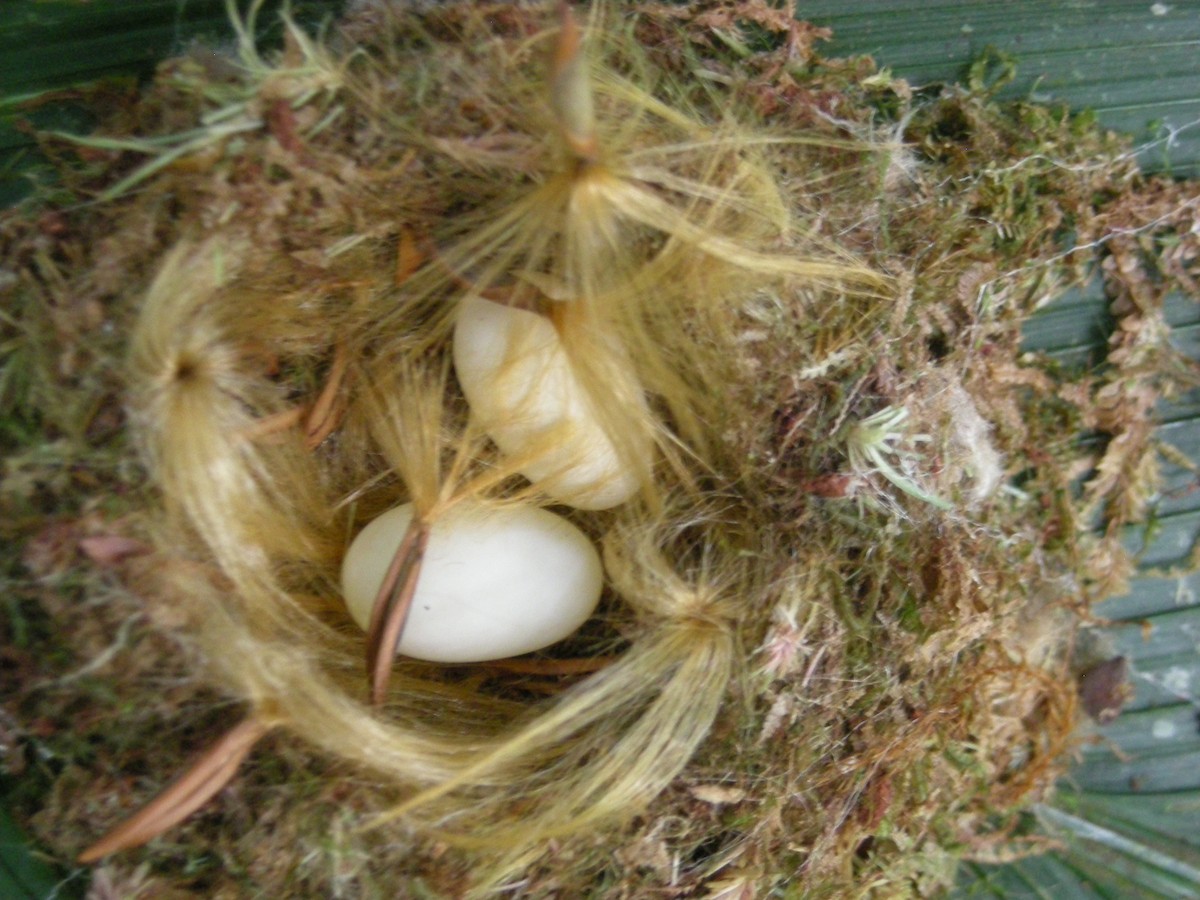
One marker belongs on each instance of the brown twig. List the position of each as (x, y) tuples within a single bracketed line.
[(320, 420), (392, 605), (327, 410), (211, 772), (272, 425)]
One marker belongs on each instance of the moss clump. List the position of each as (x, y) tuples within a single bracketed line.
[(867, 489)]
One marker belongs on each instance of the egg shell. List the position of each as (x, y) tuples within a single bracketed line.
[(495, 581), (518, 381)]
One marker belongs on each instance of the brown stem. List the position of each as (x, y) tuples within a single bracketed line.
[(211, 772), (326, 413), (392, 605), (320, 421), (272, 425)]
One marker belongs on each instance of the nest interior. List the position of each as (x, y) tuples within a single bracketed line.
[(834, 653)]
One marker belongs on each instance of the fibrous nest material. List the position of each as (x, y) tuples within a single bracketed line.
[(834, 652)]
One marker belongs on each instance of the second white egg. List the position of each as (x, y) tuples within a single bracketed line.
[(519, 384)]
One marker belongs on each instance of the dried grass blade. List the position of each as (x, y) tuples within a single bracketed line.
[(211, 772), (273, 425), (326, 413)]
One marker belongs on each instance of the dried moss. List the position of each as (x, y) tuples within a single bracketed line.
[(906, 688)]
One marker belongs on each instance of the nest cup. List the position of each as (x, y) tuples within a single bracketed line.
[(255, 504), (819, 585)]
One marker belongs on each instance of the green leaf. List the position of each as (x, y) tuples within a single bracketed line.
[(49, 47), (1035, 878), (23, 875), (1132, 61), (1102, 856), (1150, 596), (1073, 329), (1165, 820), (1098, 850)]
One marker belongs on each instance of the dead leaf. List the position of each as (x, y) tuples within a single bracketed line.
[(109, 550), (1104, 689)]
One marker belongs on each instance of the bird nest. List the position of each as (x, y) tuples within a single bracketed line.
[(833, 648)]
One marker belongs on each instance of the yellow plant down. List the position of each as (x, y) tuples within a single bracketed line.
[(833, 646)]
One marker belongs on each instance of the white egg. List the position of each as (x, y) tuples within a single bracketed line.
[(519, 384), (495, 581)]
